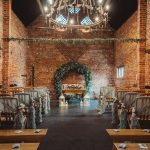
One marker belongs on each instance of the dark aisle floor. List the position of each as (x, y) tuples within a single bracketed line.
[(76, 128)]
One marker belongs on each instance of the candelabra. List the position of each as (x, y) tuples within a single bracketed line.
[(78, 14)]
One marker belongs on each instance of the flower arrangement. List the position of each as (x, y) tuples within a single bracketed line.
[(71, 66)]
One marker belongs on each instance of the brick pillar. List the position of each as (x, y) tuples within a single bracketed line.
[(6, 32), (142, 20)]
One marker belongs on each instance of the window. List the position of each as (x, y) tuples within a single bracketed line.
[(74, 10), (120, 72), (61, 19), (86, 21)]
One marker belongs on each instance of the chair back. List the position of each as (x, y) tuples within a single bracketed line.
[(8, 104), (34, 94), (107, 92), (142, 105), (120, 94), (129, 98), (24, 98)]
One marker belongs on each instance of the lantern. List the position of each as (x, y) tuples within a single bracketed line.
[(86, 100), (62, 100)]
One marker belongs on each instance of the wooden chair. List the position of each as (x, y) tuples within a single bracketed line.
[(107, 92), (24, 98), (4, 95), (41, 96), (9, 103), (144, 117), (129, 98), (34, 94), (45, 99), (120, 94), (7, 119), (142, 107), (8, 110)]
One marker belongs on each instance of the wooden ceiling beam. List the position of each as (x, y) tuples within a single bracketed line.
[(107, 2), (40, 6)]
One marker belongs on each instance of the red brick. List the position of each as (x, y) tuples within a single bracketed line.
[(101, 59), (48, 58)]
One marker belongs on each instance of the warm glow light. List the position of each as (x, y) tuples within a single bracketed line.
[(100, 1), (50, 2), (71, 21), (45, 9), (60, 29), (48, 15), (107, 7), (96, 18), (71, 14), (85, 30)]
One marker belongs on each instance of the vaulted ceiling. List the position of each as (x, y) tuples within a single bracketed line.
[(120, 11)]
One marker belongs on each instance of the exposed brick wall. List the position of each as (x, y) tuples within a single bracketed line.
[(6, 5), (147, 65), (17, 61), (101, 59), (1, 32), (47, 58), (13, 60), (127, 53), (132, 56), (142, 19), (1, 18)]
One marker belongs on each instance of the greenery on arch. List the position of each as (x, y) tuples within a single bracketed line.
[(71, 66)]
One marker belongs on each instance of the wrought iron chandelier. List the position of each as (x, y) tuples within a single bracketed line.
[(76, 14)]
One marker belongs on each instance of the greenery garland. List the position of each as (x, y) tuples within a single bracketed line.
[(76, 41), (66, 68)]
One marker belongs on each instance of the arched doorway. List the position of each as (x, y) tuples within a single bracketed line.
[(68, 67)]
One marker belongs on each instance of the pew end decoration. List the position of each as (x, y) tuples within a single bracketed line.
[(123, 117), (134, 120)]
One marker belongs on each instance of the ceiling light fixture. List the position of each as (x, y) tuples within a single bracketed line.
[(78, 14)]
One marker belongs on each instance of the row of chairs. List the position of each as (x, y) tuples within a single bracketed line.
[(8, 106), (137, 99), (141, 105), (134, 99)]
